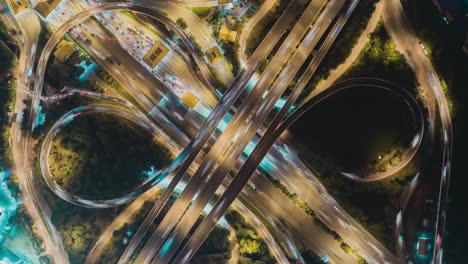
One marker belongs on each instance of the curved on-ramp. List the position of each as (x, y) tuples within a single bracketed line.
[(252, 162), (56, 37), (116, 110), (123, 111), (402, 93)]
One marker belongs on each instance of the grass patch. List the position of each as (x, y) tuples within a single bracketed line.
[(217, 242), (380, 59), (202, 12), (101, 157), (231, 54), (356, 127), (251, 245), (80, 227), (7, 94), (263, 26), (344, 43), (123, 234)]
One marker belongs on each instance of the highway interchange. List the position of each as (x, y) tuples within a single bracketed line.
[(209, 169)]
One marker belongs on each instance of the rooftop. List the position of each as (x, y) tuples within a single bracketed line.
[(155, 54), (45, 7), (189, 99), (18, 6), (214, 55), (64, 50), (226, 34)]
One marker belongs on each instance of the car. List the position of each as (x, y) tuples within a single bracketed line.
[(423, 48)]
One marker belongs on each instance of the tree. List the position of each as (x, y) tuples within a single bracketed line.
[(181, 23), (311, 258), (249, 246)]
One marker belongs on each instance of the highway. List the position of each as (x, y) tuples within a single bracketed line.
[(113, 109), (125, 217), (27, 25), (406, 41), (119, 108), (273, 132), (278, 118), (232, 132), (116, 6), (228, 99), (48, 50), (46, 54), (216, 178), (376, 256), (80, 17), (429, 76), (249, 25)]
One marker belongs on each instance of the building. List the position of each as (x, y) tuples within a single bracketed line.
[(189, 99), (214, 55), (155, 54), (18, 6), (226, 34), (45, 7), (64, 50)]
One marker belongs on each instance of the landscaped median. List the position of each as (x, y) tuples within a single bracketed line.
[(311, 213), (252, 247), (202, 12), (345, 42), (261, 29)]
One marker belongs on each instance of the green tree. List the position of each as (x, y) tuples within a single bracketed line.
[(249, 246), (181, 23)]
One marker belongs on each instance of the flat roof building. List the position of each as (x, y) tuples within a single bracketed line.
[(18, 6), (214, 55), (64, 50), (45, 7), (189, 99), (226, 34), (155, 54)]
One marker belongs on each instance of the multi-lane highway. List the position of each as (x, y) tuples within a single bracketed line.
[(273, 132), (207, 193), (56, 37), (226, 102), (28, 27), (229, 146), (258, 204), (403, 33), (44, 60), (226, 143)]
